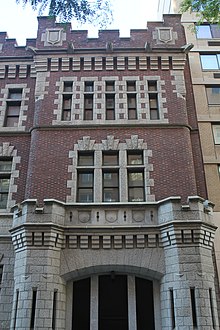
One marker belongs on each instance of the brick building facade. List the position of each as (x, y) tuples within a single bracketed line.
[(103, 220)]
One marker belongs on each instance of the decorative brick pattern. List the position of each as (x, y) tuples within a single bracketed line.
[(121, 103)]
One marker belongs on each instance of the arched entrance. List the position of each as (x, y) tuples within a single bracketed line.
[(112, 302)]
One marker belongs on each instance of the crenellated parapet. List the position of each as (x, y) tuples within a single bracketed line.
[(59, 37)]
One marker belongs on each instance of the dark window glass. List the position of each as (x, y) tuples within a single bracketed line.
[(68, 86), (88, 107), (131, 86), (5, 169), (89, 86), (15, 94), (213, 94), (110, 186), (110, 86), (110, 158), (135, 186), (85, 159), (12, 114), (135, 158)]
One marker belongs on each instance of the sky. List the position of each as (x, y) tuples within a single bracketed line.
[(20, 22)]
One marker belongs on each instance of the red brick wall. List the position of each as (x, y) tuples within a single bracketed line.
[(172, 160), (176, 152)]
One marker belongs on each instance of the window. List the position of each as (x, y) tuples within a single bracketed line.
[(1, 274), (206, 31), (54, 313), (89, 86), (135, 176), (213, 94), (85, 159), (131, 86), (216, 133), (5, 173), (110, 158), (219, 171), (153, 100), (110, 86), (85, 177), (110, 186), (67, 100), (88, 100), (13, 107), (210, 62), (110, 100), (33, 309), (110, 177), (193, 307), (111, 172), (131, 100), (68, 86)]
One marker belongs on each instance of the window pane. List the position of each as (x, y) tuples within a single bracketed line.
[(136, 194), (3, 200), (153, 101), (215, 30), (66, 115), (131, 101), (1, 273), (218, 59), (110, 102), (132, 114), (4, 185), (85, 195), (11, 122), (131, 86), (213, 94), (110, 195), (135, 158), (152, 85), (85, 180), (154, 114), (13, 110), (110, 179), (110, 86), (85, 159), (15, 94), (5, 165), (216, 132), (203, 31), (67, 100), (88, 115), (135, 179), (209, 62), (68, 86), (110, 114), (88, 102), (89, 86), (110, 159)]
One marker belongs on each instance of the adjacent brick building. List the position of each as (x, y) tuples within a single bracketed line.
[(104, 220)]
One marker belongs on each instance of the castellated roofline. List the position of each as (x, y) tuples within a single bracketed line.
[(59, 37)]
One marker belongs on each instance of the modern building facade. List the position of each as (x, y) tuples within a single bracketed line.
[(204, 67), (104, 218)]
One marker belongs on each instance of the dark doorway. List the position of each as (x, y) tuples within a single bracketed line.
[(113, 306), (81, 305), (144, 304)]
